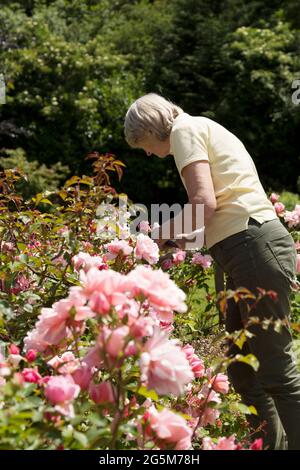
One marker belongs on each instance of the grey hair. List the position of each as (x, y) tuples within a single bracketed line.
[(150, 114)]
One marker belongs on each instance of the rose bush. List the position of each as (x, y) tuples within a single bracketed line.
[(95, 330)]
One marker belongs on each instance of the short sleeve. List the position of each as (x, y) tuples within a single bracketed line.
[(188, 143)]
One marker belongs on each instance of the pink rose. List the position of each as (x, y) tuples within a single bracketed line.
[(223, 443), (220, 383), (162, 293), (31, 355), (114, 341), (197, 365), (144, 226), (179, 256), (142, 326), (112, 285), (85, 261), (102, 392), (164, 365), (13, 349), (146, 249), (67, 363), (15, 359), (169, 427), (99, 303), (209, 415), (292, 218), (203, 260), (82, 376), (54, 323), (279, 208), (257, 444), (274, 198), (118, 247), (61, 391), (31, 375), (21, 283)]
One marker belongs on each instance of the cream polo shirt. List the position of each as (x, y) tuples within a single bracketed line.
[(238, 190)]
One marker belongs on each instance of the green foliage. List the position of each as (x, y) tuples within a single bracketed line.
[(36, 270), (73, 68), (65, 97), (289, 199), (38, 176)]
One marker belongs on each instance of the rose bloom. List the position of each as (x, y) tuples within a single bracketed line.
[(21, 283), (220, 383), (179, 256), (210, 415), (61, 391), (13, 349), (102, 392), (31, 355), (169, 427), (203, 260), (115, 341), (53, 323), (197, 365), (112, 285), (274, 198), (162, 293), (31, 375), (164, 365), (67, 363), (85, 261), (223, 443), (118, 247), (144, 226), (146, 249), (257, 444), (82, 376), (279, 208), (292, 218)]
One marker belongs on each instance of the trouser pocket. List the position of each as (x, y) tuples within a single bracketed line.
[(285, 255)]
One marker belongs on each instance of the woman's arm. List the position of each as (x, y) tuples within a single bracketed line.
[(200, 187), (200, 191)]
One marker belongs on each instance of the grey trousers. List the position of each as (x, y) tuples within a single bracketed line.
[(264, 256)]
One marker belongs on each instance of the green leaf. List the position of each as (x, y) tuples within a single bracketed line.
[(242, 408), (148, 393), (46, 201), (240, 341), (81, 438), (250, 359)]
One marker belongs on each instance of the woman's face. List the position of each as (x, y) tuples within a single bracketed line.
[(152, 146)]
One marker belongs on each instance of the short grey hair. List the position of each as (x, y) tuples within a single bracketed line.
[(150, 114)]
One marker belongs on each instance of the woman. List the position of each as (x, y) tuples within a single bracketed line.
[(246, 239)]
